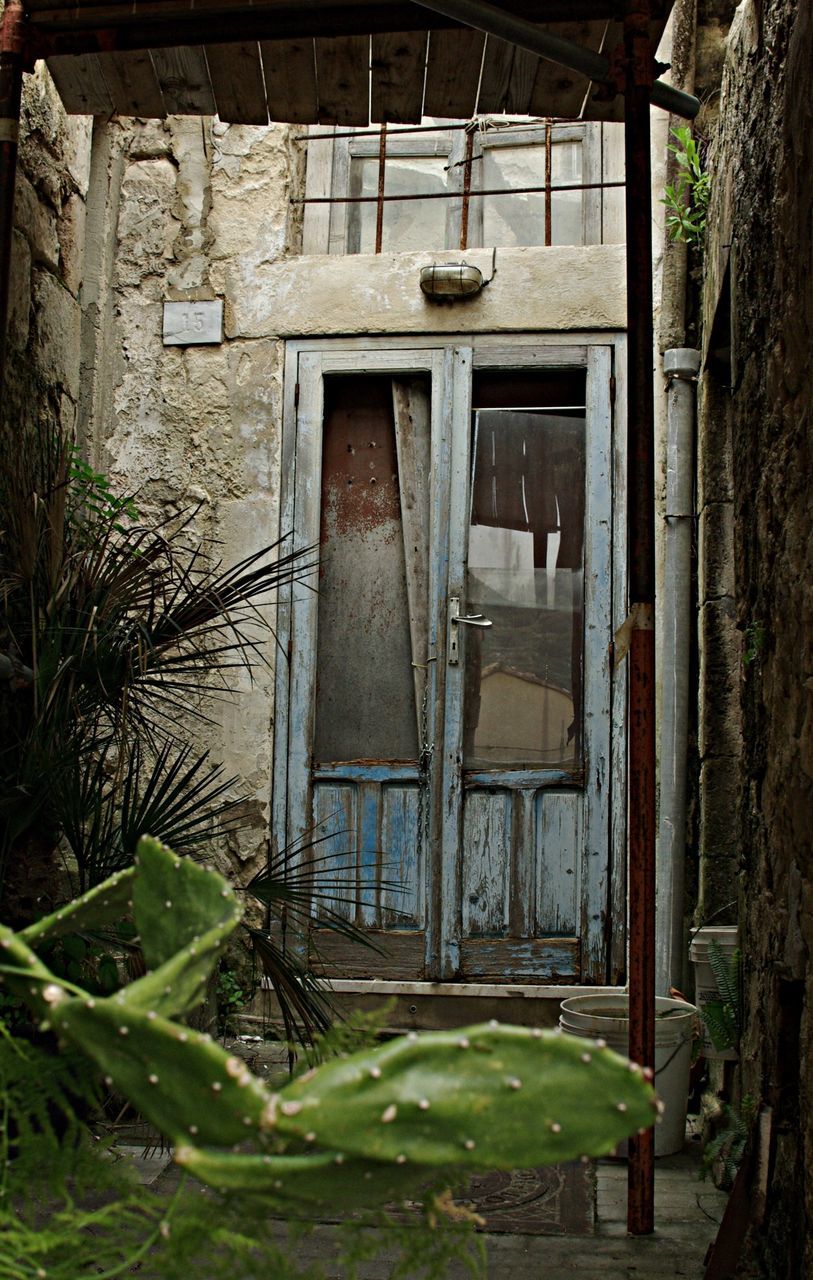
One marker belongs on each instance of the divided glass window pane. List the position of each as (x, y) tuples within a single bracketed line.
[(365, 695), (407, 226), (523, 691), (519, 219)]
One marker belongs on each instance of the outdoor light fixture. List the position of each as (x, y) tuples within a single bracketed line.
[(451, 280)]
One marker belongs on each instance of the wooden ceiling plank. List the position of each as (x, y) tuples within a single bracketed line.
[(236, 75), (398, 67), (290, 80), (133, 84), (558, 91), (612, 110), (453, 73), (81, 84), (497, 63), (343, 80), (184, 79)]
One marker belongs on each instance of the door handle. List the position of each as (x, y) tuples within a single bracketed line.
[(476, 620), (472, 620)]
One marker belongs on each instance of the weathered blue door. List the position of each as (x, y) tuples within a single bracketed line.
[(444, 721)]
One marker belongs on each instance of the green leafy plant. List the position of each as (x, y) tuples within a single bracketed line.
[(365, 1129), (722, 1156), (754, 642), (92, 497), (687, 199), (723, 1017)]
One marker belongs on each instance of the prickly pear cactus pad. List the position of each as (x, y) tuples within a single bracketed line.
[(181, 1081), (104, 904), (307, 1181), (492, 1096), (359, 1130), (179, 906)]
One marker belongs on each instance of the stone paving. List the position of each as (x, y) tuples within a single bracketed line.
[(687, 1214)]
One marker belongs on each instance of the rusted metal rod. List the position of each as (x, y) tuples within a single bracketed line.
[(464, 213), (382, 176), (641, 543), (455, 195), (12, 58)]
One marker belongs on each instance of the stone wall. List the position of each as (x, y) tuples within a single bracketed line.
[(192, 209), (47, 258), (757, 432)]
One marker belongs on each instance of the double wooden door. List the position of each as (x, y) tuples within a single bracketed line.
[(447, 726)]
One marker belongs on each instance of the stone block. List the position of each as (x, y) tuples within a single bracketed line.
[(720, 732), (71, 230), (146, 228), (719, 850), (35, 220), (715, 457), (57, 320), (716, 551), (19, 293)]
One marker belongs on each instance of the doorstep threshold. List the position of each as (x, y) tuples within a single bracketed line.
[(489, 990)]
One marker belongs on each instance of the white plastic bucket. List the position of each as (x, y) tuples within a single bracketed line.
[(705, 985), (607, 1018)]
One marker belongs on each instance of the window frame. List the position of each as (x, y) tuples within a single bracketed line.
[(330, 151)]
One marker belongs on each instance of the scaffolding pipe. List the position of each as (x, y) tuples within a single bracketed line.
[(641, 553), (681, 366), (12, 57), (525, 35)]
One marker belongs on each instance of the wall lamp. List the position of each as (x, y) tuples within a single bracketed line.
[(448, 280)]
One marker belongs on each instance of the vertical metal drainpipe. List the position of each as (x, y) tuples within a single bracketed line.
[(641, 542), (12, 56), (681, 366)]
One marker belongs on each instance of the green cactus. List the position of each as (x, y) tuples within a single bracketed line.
[(103, 904), (494, 1096), (360, 1130), (301, 1182), (184, 1083)]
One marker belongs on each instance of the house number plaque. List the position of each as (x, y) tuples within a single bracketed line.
[(192, 324)]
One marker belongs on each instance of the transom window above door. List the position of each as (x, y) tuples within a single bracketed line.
[(463, 184)]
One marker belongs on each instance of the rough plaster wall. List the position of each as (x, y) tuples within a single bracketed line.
[(200, 206), (47, 258), (763, 209)]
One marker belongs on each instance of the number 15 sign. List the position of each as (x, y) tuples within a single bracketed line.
[(190, 324)]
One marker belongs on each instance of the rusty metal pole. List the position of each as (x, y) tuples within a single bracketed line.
[(12, 57), (641, 535)]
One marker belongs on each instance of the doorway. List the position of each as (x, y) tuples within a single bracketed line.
[(448, 726)]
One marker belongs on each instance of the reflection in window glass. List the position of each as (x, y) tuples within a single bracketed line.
[(518, 219), (525, 573), (413, 225)]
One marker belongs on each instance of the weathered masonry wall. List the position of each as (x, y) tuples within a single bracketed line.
[(47, 259), (757, 455), (193, 210)]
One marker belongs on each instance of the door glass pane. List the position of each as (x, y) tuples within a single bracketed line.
[(519, 219), (411, 225), (525, 573), (365, 698)]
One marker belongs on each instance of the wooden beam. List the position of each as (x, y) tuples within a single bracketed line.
[(342, 80), (184, 79), (133, 84), (81, 84), (398, 67), (236, 75), (290, 80), (453, 73)]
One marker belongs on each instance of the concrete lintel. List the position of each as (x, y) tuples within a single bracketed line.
[(559, 288)]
